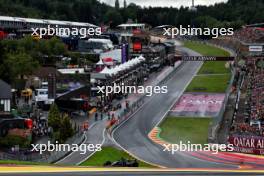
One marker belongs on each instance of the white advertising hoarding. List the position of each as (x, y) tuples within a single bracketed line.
[(255, 48)]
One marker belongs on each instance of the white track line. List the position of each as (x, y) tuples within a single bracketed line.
[(156, 125), (103, 141), (180, 94), (112, 133), (174, 104), (85, 138)]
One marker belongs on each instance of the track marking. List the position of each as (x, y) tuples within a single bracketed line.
[(85, 139), (195, 73), (113, 139), (180, 94), (103, 141), (122, 123)]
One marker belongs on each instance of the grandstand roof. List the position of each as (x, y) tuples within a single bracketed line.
[(45, 21)]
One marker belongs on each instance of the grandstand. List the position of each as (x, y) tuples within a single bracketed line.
[(7, 22), (249, 117), (244, 116), (247, 41), (250, 35)]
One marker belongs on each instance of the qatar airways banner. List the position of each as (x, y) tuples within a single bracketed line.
[(198, 105), (247, 144)]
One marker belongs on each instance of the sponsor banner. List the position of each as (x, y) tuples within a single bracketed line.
[(137, 46), (249, 150), (203, 58), (124, 53), (247, 144), (199, 104), (255, 48)]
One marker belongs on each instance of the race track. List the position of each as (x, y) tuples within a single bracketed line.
[(133, 134)]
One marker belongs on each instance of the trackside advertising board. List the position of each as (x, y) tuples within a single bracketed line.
[(247, 144), (255, 48)]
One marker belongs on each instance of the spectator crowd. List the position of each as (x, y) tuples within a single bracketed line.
[(250, 34), (249, 114)]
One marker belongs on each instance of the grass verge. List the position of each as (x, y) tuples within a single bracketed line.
[(209, 83), (176, 129), (109, 154), (213, 76), (206, 50), (218, 67)]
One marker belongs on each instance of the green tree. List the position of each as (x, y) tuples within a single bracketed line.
[(27, 43), (117, 5), (207, 22), (125, 4), (93, 11), (56, 46), (54, 118), (66, 129), (20, 64), (12, 140), (114, 17), (24, 55)]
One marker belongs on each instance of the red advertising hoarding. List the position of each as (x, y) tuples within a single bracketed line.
[(137, 46), (247, 144)]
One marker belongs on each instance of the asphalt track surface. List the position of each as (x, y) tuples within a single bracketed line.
[(94, 136), (120, 173), (132, 135)]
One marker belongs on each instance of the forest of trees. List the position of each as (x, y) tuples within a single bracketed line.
[(233, 13), (23, 56)]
